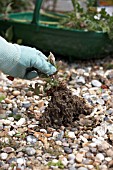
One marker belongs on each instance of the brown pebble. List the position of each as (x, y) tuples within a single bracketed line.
[(16, 93)]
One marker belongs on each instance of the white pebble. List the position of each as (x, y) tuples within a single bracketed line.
[(71, 135), (3, 156), (71, 156), (21, 122), (100, 156), (96, 83), (58, 142), (20, 161), (43, 130)]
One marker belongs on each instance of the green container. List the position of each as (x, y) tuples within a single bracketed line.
[(71, 44)]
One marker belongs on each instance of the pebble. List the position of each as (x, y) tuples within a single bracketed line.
[(100, 156), (71, 157), (100, 101), (31, 139), (15, 110), (1, 127), (30, 151), (21, 160), (82, 168), (96, 83), (16, 93), (68, 150), (58, 142), (26, 104), (80, 79), (71, 134), (72, 168), (21, 122), (3, 156), (8, 149), (79, 157)]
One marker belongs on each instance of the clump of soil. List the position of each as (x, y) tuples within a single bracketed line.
[(64, 108)]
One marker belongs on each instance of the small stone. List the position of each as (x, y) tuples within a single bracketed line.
[(111, 88), (15, 110), (65, 144), (40, 103), (79, 157), (4, 156), (64, 161), (8, 101), (87, 162), (11, 133), (109, 152), (16, 93), (1, 127), (80, 79), (103, 146), (110, 164), (26, 104), (68, 150), (21, 161), (31, 139), (71, 135), (96, 83), (43, 130), (82, 168), (100, 156), (100, 101), (58, 142), (21, 122), (8, 150), (60, 135), (55, 134), (71, 157), (30, 151), (72, 168), (103, 167), (7, 122), (29, 93)]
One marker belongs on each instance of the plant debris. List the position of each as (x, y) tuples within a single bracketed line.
[(64, 108)]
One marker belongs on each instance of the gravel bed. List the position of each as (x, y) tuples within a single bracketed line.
[(87, 146)]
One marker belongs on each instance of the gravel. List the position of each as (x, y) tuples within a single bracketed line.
[(87, 146)]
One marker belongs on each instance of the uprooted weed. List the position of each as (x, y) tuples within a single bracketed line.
[(64, 108)]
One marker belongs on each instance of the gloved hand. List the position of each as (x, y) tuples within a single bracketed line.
[(18, 61)]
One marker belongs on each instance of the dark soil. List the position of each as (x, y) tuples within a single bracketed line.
[(64, 108)]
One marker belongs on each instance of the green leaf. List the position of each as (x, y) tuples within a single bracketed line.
[(2, 97)]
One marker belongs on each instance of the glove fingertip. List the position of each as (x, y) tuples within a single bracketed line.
[(31, 75), (52, 70)]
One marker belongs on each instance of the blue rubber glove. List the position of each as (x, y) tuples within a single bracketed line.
[(19, 61)]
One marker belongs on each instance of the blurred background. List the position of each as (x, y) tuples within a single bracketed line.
[(52, 5)]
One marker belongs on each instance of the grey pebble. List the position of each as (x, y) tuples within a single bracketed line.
[(60, 135), (31, 139), (72, 168), (68, 150), (11, 160), (30, 151), (100, 101), (15, 110), (26, 104)]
